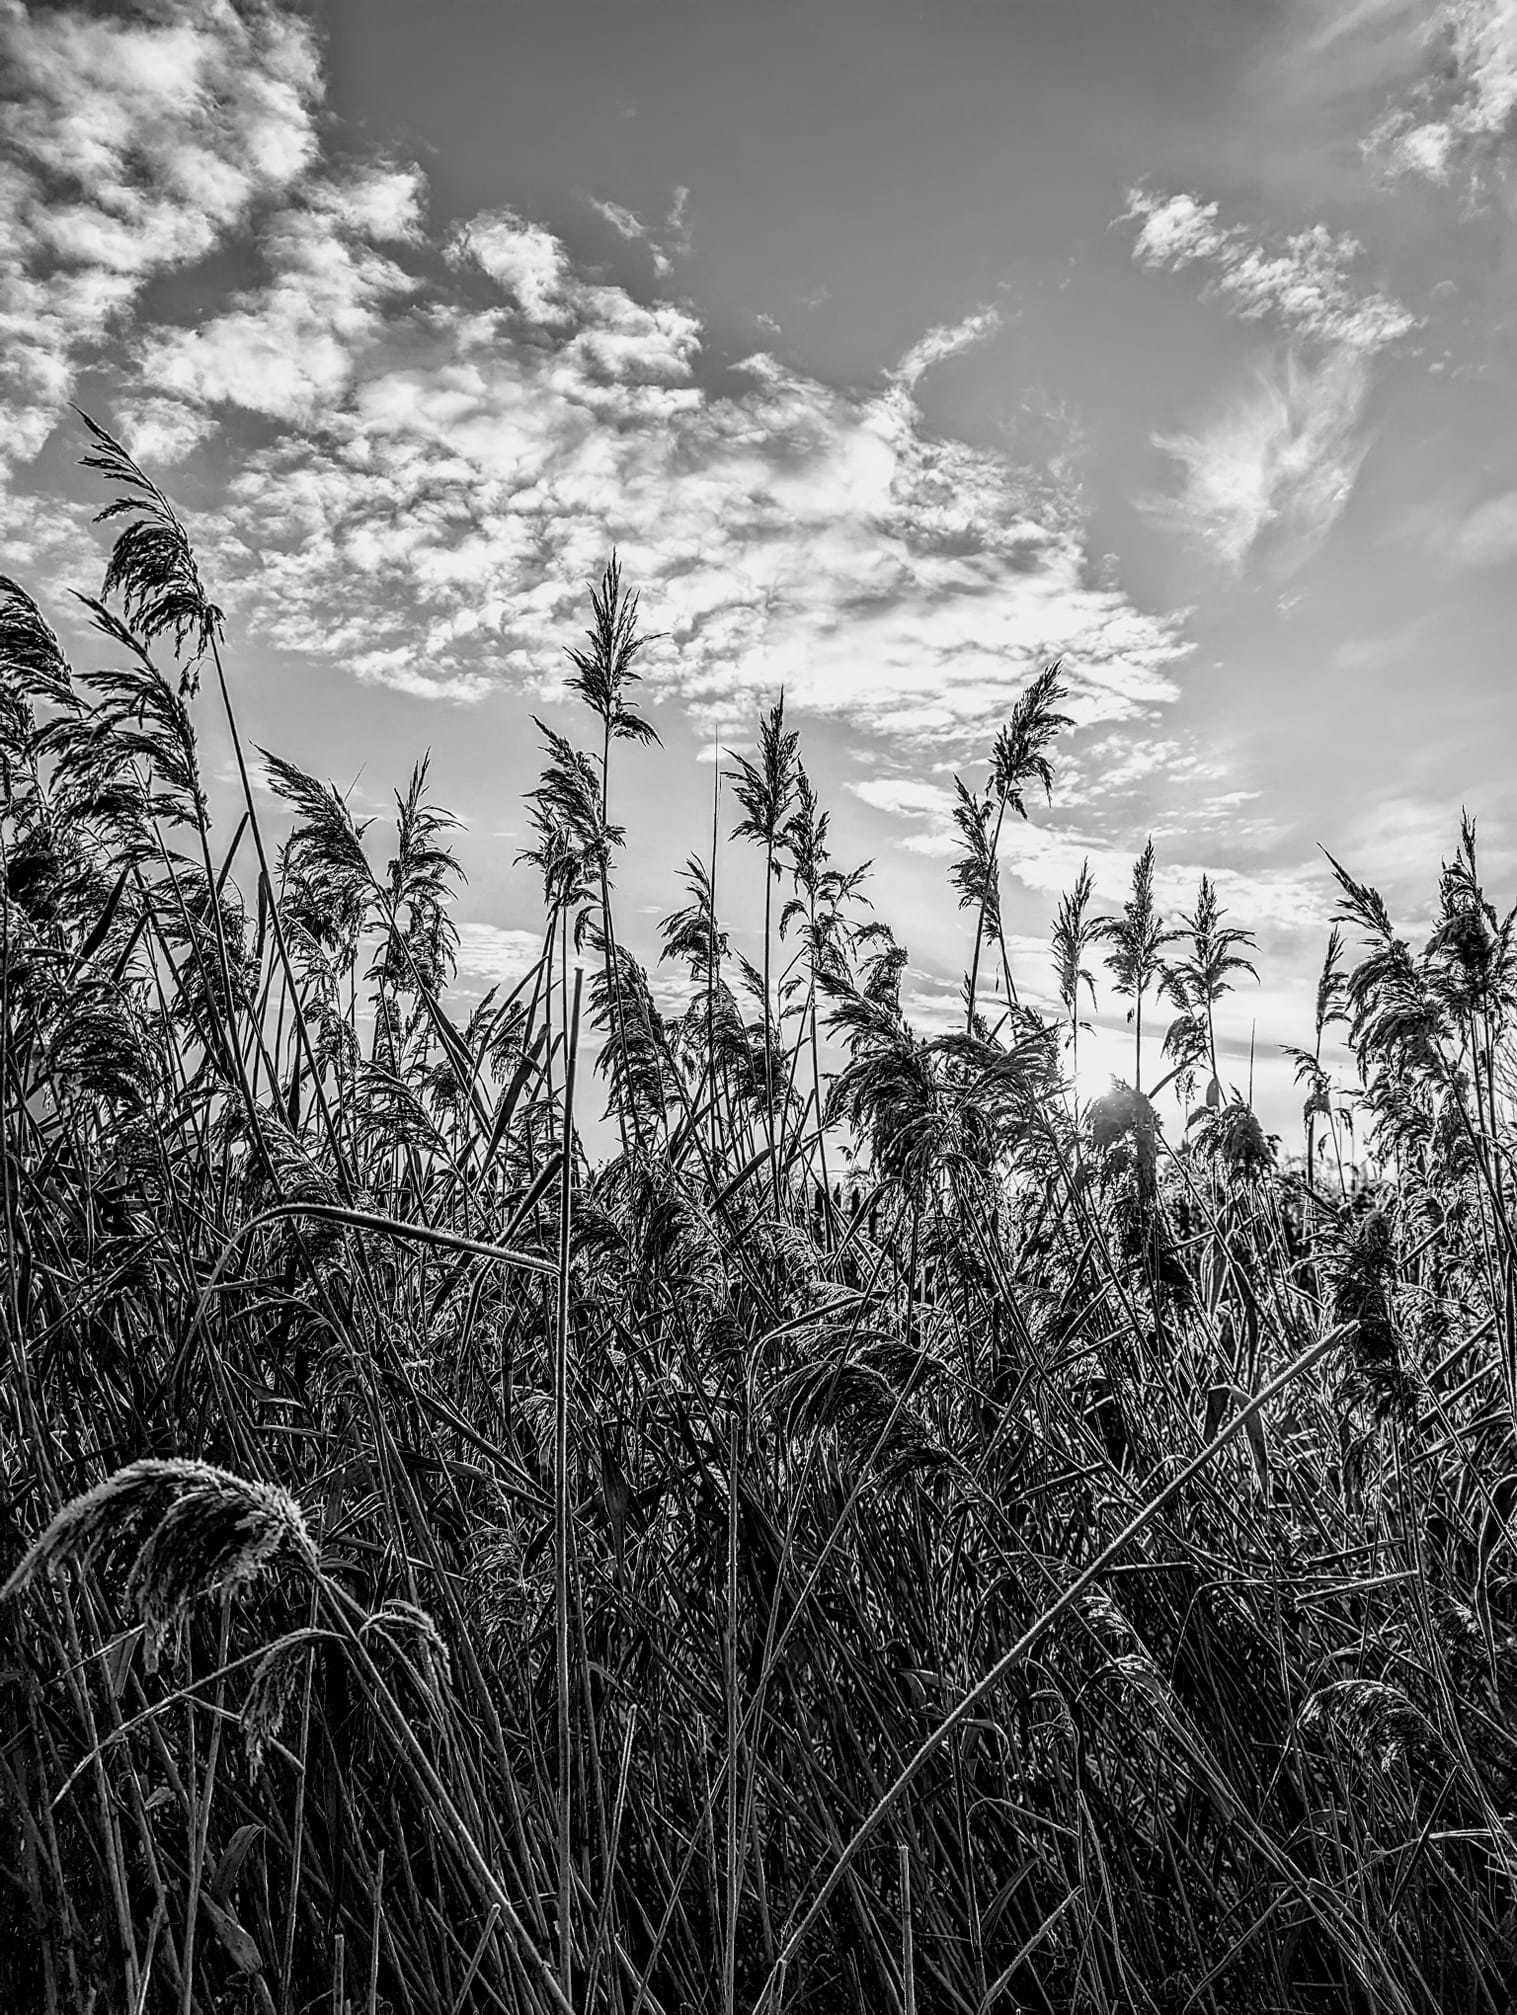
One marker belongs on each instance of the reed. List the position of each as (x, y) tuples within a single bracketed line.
[(880, 1534)]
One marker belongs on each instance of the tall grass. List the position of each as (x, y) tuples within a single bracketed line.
[(1061, 1562)]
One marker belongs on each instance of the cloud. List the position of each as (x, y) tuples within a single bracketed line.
[(1456, 119), (1462, 537), (1125, 764), (453, 430), (664, 244), (454, 462), (290, 348), (497, 957), (528, 261), (1435, 85), (130, 145), (1268, 474), (609, 338), (1398, 843), (1300, 280), (1487, 536), (906, 797), (626, 223), (948, 339), (1047, 858), (160, 432)]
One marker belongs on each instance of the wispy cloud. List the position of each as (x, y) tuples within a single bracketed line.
[(1125, 766), (665, 242), (1046, 859), (1397, 843), (906, 797), (1485, 536), (1266, 476), (948, 339), (1302, 281), (626, 223), (495, 956), (1266, 473)]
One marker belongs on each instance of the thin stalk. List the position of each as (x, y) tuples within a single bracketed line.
[(1009, 1660), (303, 1034), (561, 1533), (979, 925)]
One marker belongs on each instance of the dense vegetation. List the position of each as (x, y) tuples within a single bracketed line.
[(1043, 1561)]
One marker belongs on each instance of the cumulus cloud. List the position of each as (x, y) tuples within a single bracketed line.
[(523, 258), (160, 431), (289, 348), (1300, 280), (130, 144), (1267, 475), (454, 463), (447, 447), (1455, 121)]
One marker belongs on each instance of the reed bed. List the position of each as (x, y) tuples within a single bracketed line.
[(878, 1534)]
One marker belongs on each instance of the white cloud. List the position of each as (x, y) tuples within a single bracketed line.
[(1484, 537), (1047, 858), (1399, 843), (1126, 763), (382, 201), (524, 259), (905, 796), (665, 243), (948, 339), (1457, 116), (626, 223), (497, 957), (1265, 900), (451, 456), (1268, 473), (289, 349), (1300, 280), (131, 145), (160, 432), (449, 475), (1461, 536)]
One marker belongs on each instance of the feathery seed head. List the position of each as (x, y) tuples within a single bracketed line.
[(152, 565), (189, 1529)]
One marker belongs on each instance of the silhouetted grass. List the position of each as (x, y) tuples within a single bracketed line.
[(1056, 1564)]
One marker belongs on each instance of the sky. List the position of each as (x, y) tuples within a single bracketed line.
[(897, 350)]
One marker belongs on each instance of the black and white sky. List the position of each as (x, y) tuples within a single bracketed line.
[(897, 348)]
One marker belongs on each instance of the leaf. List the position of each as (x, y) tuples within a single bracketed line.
[(102, 929), (118, 1662), (229, 1867), (1222, 1400), (239, 1944)]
